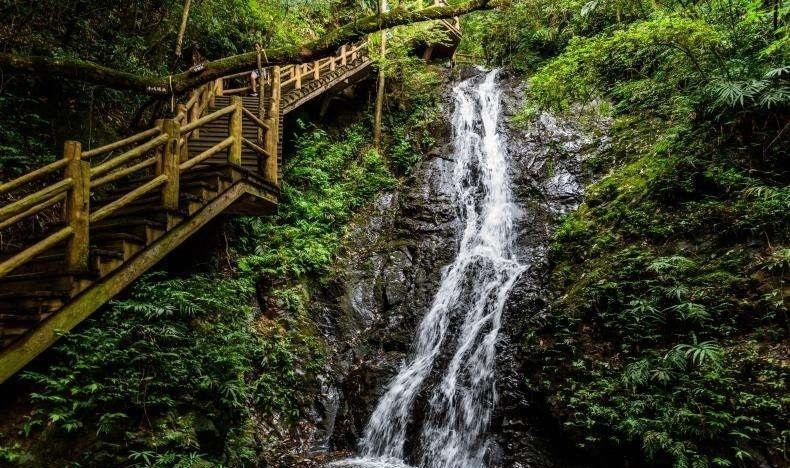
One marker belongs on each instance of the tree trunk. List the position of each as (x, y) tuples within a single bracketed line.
[(181, 82), (182, 30), (380, 87)]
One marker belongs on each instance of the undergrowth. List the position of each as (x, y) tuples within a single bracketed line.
[(666, 340)]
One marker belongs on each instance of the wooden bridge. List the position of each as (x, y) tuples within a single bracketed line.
[(76, 232)]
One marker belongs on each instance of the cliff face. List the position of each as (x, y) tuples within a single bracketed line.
[(390, 267)]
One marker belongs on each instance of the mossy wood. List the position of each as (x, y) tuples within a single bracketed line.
[(185, 81)]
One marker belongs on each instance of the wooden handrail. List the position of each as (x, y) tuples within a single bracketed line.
[(116, 205), (35, 198), (122, 159), (254, 147), (254, 118), (206, 119), (192, 162), (236, 75), (121, 143), (33, 211), (117, 175), (237, 90), (39, 247), (31, 176)]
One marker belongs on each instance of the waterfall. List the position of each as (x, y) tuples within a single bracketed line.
[(460, 330)]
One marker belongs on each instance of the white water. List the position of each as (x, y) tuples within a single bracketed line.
[(460, 330)]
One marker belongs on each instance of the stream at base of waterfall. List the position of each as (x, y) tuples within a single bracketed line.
[(459, 332)]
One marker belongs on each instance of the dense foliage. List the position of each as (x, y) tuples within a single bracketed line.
[(37, 114), (205, 369), (668, 333)]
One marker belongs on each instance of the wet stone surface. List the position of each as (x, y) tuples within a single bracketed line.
[(389, 270)]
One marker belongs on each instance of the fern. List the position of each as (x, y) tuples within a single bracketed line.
[(701, 353)]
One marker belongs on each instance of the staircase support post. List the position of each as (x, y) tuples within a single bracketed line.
[(211, 96), (234, 130), (194, 113), (270, 170), (77, 208), (171, 157), (183, 149), (343, 59), (298, 76)]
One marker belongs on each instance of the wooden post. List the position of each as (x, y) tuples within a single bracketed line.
[(316, 70), (77, 208), (159, 150), (171, 157), (270, 173), (219, 87), (208, 89), (183, 150), (182, 109), (332, 63), (343, 59), (234, 130), (298, 76), (194, 114), (260, 91)]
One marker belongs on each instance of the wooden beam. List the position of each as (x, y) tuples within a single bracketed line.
[(26, 348)]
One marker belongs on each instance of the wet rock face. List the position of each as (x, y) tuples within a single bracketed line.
[(546, 155), (389, 271)]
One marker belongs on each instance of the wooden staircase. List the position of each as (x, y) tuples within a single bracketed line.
[(76, 232)]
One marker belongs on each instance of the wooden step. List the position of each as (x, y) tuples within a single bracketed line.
[(128, 244), (141, 226), (57, 281), (154, 197)]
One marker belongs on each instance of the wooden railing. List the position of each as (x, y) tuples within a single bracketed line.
[(154, 160)]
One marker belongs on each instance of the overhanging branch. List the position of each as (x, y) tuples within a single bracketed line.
[(178, 83)]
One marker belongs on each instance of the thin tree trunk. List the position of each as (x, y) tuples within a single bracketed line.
[(381, 85), (182, 30)]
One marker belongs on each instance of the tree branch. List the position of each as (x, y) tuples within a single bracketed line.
[(181, 82)]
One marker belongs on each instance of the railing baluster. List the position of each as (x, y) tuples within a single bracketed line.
[(234, 131), (171, 158), (316, 70), (343, 59), (298, 76), (77, 207)]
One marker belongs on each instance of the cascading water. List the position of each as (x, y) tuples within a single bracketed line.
[(472, 293)]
